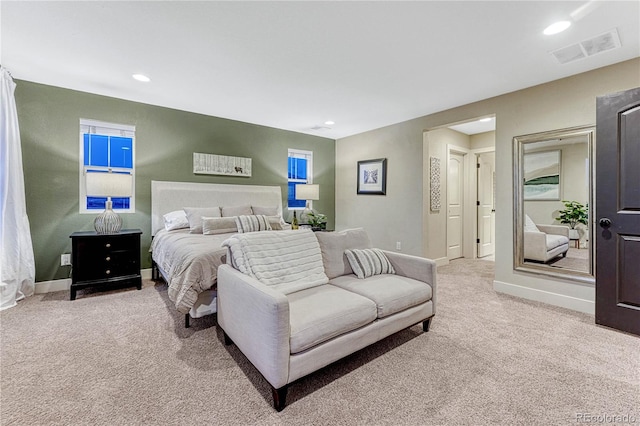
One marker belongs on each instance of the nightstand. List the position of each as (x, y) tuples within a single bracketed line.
[(105, 260)]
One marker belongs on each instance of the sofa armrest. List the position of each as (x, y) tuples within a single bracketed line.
[(256, 318), (418, 268), (554, 229), (535, 245)]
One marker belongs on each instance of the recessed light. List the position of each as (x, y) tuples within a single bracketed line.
[(141, 77), (329, 123), (557, 27), (484, 120)]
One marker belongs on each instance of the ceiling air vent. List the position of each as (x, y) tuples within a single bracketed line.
[(598, 44)]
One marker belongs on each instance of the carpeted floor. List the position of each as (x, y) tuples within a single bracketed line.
[(576, 259), (124, 358)]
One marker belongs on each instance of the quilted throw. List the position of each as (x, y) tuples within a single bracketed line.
[(287, 261)]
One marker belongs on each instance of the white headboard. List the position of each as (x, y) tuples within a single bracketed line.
[(169, 196)]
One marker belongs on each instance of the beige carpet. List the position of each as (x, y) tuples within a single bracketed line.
[(124, 358), (576, 259)]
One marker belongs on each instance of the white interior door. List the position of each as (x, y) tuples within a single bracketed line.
[(455, 205), (486, 210)]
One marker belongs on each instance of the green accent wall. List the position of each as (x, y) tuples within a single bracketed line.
[(165, 142)]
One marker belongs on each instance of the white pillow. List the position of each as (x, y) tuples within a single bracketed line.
[(219, 225), (195, 215), (175, 220), (529, 226), (368, 262), (267, 211), (252, 223)]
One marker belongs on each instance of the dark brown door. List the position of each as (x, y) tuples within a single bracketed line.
[(617, 211)]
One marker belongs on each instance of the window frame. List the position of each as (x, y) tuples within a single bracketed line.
[(308, 155), (107, 129)]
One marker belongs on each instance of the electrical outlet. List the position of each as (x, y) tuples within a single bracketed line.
[(65, 259), (398, 245)]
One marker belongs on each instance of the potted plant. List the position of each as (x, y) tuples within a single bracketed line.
[(318, 221), (573, 214)]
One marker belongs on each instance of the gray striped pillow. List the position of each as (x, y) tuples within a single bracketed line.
[(252, 223), (368, 262)]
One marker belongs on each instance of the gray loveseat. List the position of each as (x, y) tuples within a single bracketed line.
[(287, 333)]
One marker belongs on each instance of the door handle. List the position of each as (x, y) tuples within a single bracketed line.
[(605, 222)]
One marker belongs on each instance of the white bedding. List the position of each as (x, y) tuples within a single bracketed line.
[(190, 261)]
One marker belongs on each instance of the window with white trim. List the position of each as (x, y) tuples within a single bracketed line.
[(106, 147), (300, 170)]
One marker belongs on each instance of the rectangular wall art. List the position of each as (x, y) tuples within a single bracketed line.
[(434, 180), (212, 164), (372, 177), (542, 175)]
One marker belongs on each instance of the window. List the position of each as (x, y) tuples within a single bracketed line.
[(300, 170), (106, 147)]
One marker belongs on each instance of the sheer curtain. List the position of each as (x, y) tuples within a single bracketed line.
[(17, 269)]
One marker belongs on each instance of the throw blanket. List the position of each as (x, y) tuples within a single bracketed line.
[(287, 261)]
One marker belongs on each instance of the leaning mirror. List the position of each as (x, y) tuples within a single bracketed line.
[(553, 194)]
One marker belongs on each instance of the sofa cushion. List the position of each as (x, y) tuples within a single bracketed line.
[(321, 313), (368, 262), (554, 241), (391, 293), (333, 245)]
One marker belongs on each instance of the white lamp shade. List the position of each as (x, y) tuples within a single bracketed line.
[(307, 192), (109, 184)]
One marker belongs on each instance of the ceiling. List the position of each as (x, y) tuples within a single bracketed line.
[(296, 65)]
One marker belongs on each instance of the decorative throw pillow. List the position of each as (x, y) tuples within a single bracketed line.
[(218, 225), (252, 223), (275, 222), (529, 226), (195, 215), (236, 211), (369, 262), (175, 220)]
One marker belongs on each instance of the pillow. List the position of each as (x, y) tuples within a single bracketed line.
[(267, 211), (368, 262), (175, 220), (252, 223), (529, 226), (236, 211), (195, 215), (333, 245), (218, 225), (275, 222)]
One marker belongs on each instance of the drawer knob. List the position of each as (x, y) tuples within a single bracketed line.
[(108, 271), (108, 245), (107, 258)]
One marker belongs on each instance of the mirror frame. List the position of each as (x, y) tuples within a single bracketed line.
[(519, 264)]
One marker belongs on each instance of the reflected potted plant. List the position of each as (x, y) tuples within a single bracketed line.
[(573, 214), (318, 221)]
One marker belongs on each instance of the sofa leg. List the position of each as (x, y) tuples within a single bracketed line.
[(426, 324), (227, 339), (279, 397)]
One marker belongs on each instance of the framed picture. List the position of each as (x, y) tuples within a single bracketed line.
[(542, 176), (372, 177)]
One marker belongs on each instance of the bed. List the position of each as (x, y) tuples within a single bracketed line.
[(188, 262)]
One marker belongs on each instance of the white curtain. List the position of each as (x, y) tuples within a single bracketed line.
[(17, 269)]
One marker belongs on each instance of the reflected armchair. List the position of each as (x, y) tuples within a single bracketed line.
[(544, 242)]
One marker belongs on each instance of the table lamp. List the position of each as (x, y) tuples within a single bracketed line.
[(108, 185), (307, 192)]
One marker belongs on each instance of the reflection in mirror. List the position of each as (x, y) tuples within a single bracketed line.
[(553, 187)]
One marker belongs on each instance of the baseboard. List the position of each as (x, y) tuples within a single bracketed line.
[(65, 283), (564, 301)]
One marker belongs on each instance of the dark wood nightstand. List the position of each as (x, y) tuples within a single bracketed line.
[(104, 260)]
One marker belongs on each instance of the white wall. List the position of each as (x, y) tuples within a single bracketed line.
[(400, 215)]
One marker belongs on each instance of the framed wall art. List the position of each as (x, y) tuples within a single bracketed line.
[(542, 175), (372, 177), (212, 164)]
